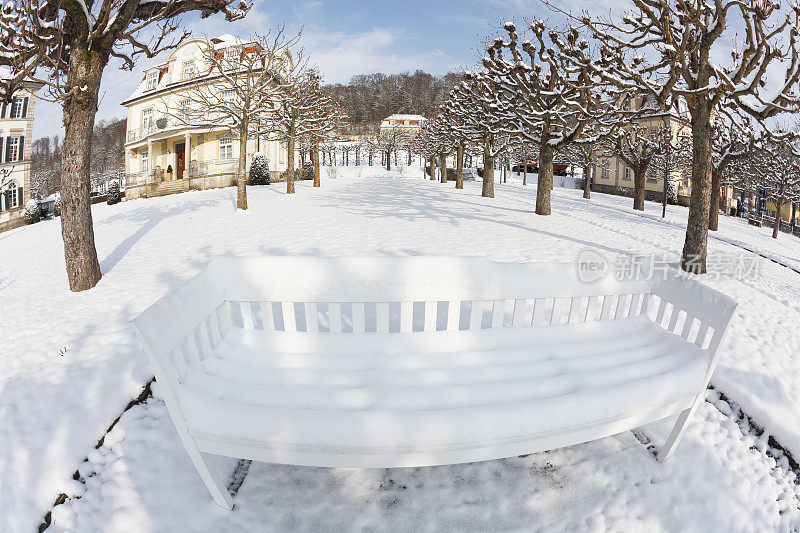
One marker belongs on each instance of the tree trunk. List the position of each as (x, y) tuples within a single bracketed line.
[(443, 168), (693, 258), (77, 231), (713, 211), (315, 157), (424, 167), (433, 167), (639, 175), (505, 166), (777, 226), (545, 182), (488, 173), (525, 173), (388, 160), (587, 181), (369, 158), (241, 175), (290, 166), (409, 157), (459, 166)]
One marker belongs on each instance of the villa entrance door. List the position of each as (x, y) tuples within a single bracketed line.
[(180, 160)]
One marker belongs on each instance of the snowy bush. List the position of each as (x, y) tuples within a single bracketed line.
[(259, 170), (672, 194), (307, 172), (32, 213), (114, 195)]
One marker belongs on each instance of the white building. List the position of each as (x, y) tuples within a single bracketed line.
[(408, 123), (16, 135)]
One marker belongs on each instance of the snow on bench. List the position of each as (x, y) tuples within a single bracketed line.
[(373, 362)]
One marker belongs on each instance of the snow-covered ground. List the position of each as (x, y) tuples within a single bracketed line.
[(69, 364)]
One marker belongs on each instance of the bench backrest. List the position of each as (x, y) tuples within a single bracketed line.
[(405, 294)]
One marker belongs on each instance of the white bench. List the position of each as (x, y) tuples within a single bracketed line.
[(411, 361)]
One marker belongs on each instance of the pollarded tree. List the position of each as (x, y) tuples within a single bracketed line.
[(298, 113), (389, 140), (442, 141), (584, 155), (638, 146), (674, 49), (772, 169), (481, 114), (553, 97), (67, 45), (423, 144), (238, 88)]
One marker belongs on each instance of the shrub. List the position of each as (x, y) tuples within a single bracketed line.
[(307, 172), (259, 170), (114, 196), (32, 213), (57, 207)]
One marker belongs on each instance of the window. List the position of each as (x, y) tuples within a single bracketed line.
[(147, 119), (183, 110), (12, 196), (152, 80), (627, 172), (13, 152), (188, 69), (145, 166), (606, 169), (225, 148), (16, 108)]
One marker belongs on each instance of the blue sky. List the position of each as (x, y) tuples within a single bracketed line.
[(343, 38)]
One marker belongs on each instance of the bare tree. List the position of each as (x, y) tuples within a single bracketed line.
[(773, 169), (685, 42), (67, 45), (238, 89), (389, 140)]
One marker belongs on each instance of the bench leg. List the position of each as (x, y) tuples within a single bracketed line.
[(677, 432), (215, 485)]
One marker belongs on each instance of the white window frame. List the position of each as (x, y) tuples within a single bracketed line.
[(606, 169), (147, 118), (144, 164), (151, 80), (13, 195), (13, 149), (16, 107), (225, 147), (184, 106), (188, 72), (627, 174)]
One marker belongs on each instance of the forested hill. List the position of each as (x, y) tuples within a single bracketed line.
[(369, 98)]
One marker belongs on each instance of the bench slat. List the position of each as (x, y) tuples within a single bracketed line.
[(575, 309), (289, 321), (225, 316), (662, 307), (673, 319), (312, 320), (205, 345), (623, 305), (194, 355), (498, 313), (636, 304), (213, 320), (687, 327), (382, 317), (406, 317), (430, 316), (335, 317), (476, 308), (702, 333), (267, 318), (453, 314), (247, 315), (608, 302)]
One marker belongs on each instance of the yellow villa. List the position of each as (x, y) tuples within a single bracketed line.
[(163, 155)]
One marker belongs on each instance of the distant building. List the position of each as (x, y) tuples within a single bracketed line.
[(163, 155), (16, 132), (408, 123)]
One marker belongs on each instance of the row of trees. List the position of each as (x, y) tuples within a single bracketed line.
[(107, 161), (557, 89)]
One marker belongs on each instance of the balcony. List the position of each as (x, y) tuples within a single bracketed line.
[(160, 124)]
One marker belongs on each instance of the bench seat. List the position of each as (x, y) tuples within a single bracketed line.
[(380, 362), (375, 398)]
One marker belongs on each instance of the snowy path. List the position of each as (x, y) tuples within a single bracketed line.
[(53, 408)]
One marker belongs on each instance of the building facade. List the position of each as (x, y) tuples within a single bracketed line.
[(164, 155), (612, 175), (410, 124), (16, 136)]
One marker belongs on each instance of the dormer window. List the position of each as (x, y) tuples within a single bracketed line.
[(188, 69), (152, 80)]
